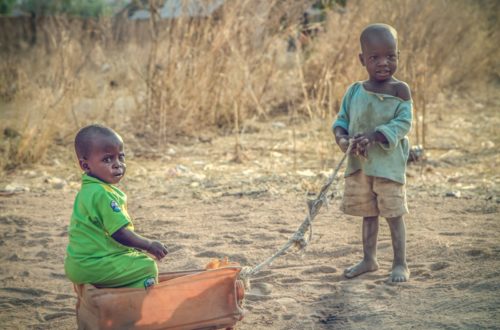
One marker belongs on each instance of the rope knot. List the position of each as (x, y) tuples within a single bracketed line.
[(299, 241), (245, 274)]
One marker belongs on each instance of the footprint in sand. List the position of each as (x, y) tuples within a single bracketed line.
[(286, 231), (291, 280), (450, 233), (439, 265), (344, 251), (174, 248), (214, 244), (259, 292), (234, 217), (261, 288), (12, 219), (208, 254), (420, 274), (42, 254), (35, 242), (328, 278), (177, 234), (287, 303), (263, 237), (381, 290), (242, 241), (52, 316), (40, 235), (58, 276), (330, 320), (27, 291), (319, 270), (324, 286), (241, 259), (163, 223), (477, 253), (13, 298)]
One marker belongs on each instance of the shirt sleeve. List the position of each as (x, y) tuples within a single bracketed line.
[(397, 128), (342, 119), (110, 211)]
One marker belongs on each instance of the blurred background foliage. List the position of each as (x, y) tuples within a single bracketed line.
[(215, 66), (89, 8)]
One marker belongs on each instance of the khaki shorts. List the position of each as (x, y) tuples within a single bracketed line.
[(370, 196)]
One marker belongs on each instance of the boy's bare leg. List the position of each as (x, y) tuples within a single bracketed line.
[(369, 262), (400, 271)]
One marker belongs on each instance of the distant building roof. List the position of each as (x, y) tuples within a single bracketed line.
[(182, 8)]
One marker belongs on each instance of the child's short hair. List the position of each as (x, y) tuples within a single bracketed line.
[(84, 137), (377, 28)]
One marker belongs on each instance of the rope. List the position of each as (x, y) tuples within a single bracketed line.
[(297, 239)]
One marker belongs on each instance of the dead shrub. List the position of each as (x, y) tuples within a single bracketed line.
[(187, 75)]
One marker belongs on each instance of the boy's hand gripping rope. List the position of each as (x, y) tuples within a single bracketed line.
[(297, 238)]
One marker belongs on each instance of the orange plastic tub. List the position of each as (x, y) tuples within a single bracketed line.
[(198, 299)]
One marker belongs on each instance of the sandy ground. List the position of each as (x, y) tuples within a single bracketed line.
[(203, 205)]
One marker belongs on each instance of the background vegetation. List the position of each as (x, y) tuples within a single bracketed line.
[(159, 78)]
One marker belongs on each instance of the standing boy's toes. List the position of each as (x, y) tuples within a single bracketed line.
[(400, 274), (360, 268)]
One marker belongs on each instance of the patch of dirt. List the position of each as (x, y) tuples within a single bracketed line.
[(193, 197)]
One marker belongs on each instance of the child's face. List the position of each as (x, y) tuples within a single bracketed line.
[(106, 160), (380, 57)]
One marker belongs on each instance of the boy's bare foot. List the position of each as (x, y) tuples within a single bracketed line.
[(360, 268), (400, 273)]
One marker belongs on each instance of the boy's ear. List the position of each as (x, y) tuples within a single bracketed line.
[(84, 165), (361, 59)]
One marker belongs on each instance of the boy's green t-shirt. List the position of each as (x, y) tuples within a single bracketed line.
[(363, 111), (100, 209), (92, 255)]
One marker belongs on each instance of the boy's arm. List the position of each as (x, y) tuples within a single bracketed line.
[(403, 91), (131, 239), (340, 126), (397, 128), (341, 137)]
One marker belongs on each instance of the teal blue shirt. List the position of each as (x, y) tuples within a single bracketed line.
[(363, 112)]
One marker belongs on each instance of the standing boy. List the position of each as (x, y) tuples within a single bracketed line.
[(375, 116)]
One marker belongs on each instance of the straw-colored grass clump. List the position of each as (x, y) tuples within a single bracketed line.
[(162, 78)]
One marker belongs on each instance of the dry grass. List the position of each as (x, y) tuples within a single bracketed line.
[(192, 75)]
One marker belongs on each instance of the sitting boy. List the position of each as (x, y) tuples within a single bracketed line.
[(103, 249)]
